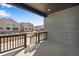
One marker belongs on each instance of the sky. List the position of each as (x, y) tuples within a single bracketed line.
[(20, 15)]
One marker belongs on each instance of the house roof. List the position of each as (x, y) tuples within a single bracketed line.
[(7, 20), (26, 24)]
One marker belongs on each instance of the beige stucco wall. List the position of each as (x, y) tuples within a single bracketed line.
[(63, 26)]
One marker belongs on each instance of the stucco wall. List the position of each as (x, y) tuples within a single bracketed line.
[(63, 26)]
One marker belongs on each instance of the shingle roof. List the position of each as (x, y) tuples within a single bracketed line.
[(7, 20)]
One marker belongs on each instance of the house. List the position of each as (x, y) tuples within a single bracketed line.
[(8, 25), (26, 27), (39, 28)]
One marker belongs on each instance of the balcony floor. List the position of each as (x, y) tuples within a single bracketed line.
[(48, 48)]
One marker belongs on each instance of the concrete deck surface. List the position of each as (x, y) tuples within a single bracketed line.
[(48, 48)]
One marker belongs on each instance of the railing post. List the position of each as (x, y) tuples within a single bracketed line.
[(46, 36), (25, 44), (30, 40), (0, 44), (38, 37)]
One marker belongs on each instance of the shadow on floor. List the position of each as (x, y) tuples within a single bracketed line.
[(13, 53), (33, 48), (48, 48)]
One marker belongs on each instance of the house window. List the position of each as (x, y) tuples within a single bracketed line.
[(29, 28), (1, 28), (26, 28), (15, 29), (8, 28)]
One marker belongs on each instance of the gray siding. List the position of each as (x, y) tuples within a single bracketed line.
[(63, 26)]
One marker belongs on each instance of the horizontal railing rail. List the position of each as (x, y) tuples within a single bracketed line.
[(26, 40), (42, 36), (10, 42), (35, 38)]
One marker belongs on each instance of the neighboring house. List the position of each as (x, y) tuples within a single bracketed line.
[(26, 27), (39, 28), (8, 25)]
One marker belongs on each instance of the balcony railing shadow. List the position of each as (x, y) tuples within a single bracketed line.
[(13, 53)]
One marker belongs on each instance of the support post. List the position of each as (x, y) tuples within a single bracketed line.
[(38, 37), (25, 43), (30, 40), (46, 36), (0, 44)]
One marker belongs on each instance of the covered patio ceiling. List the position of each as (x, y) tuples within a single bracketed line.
[(44, 9)]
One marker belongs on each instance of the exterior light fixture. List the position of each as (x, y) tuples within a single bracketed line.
[(49, 9)]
